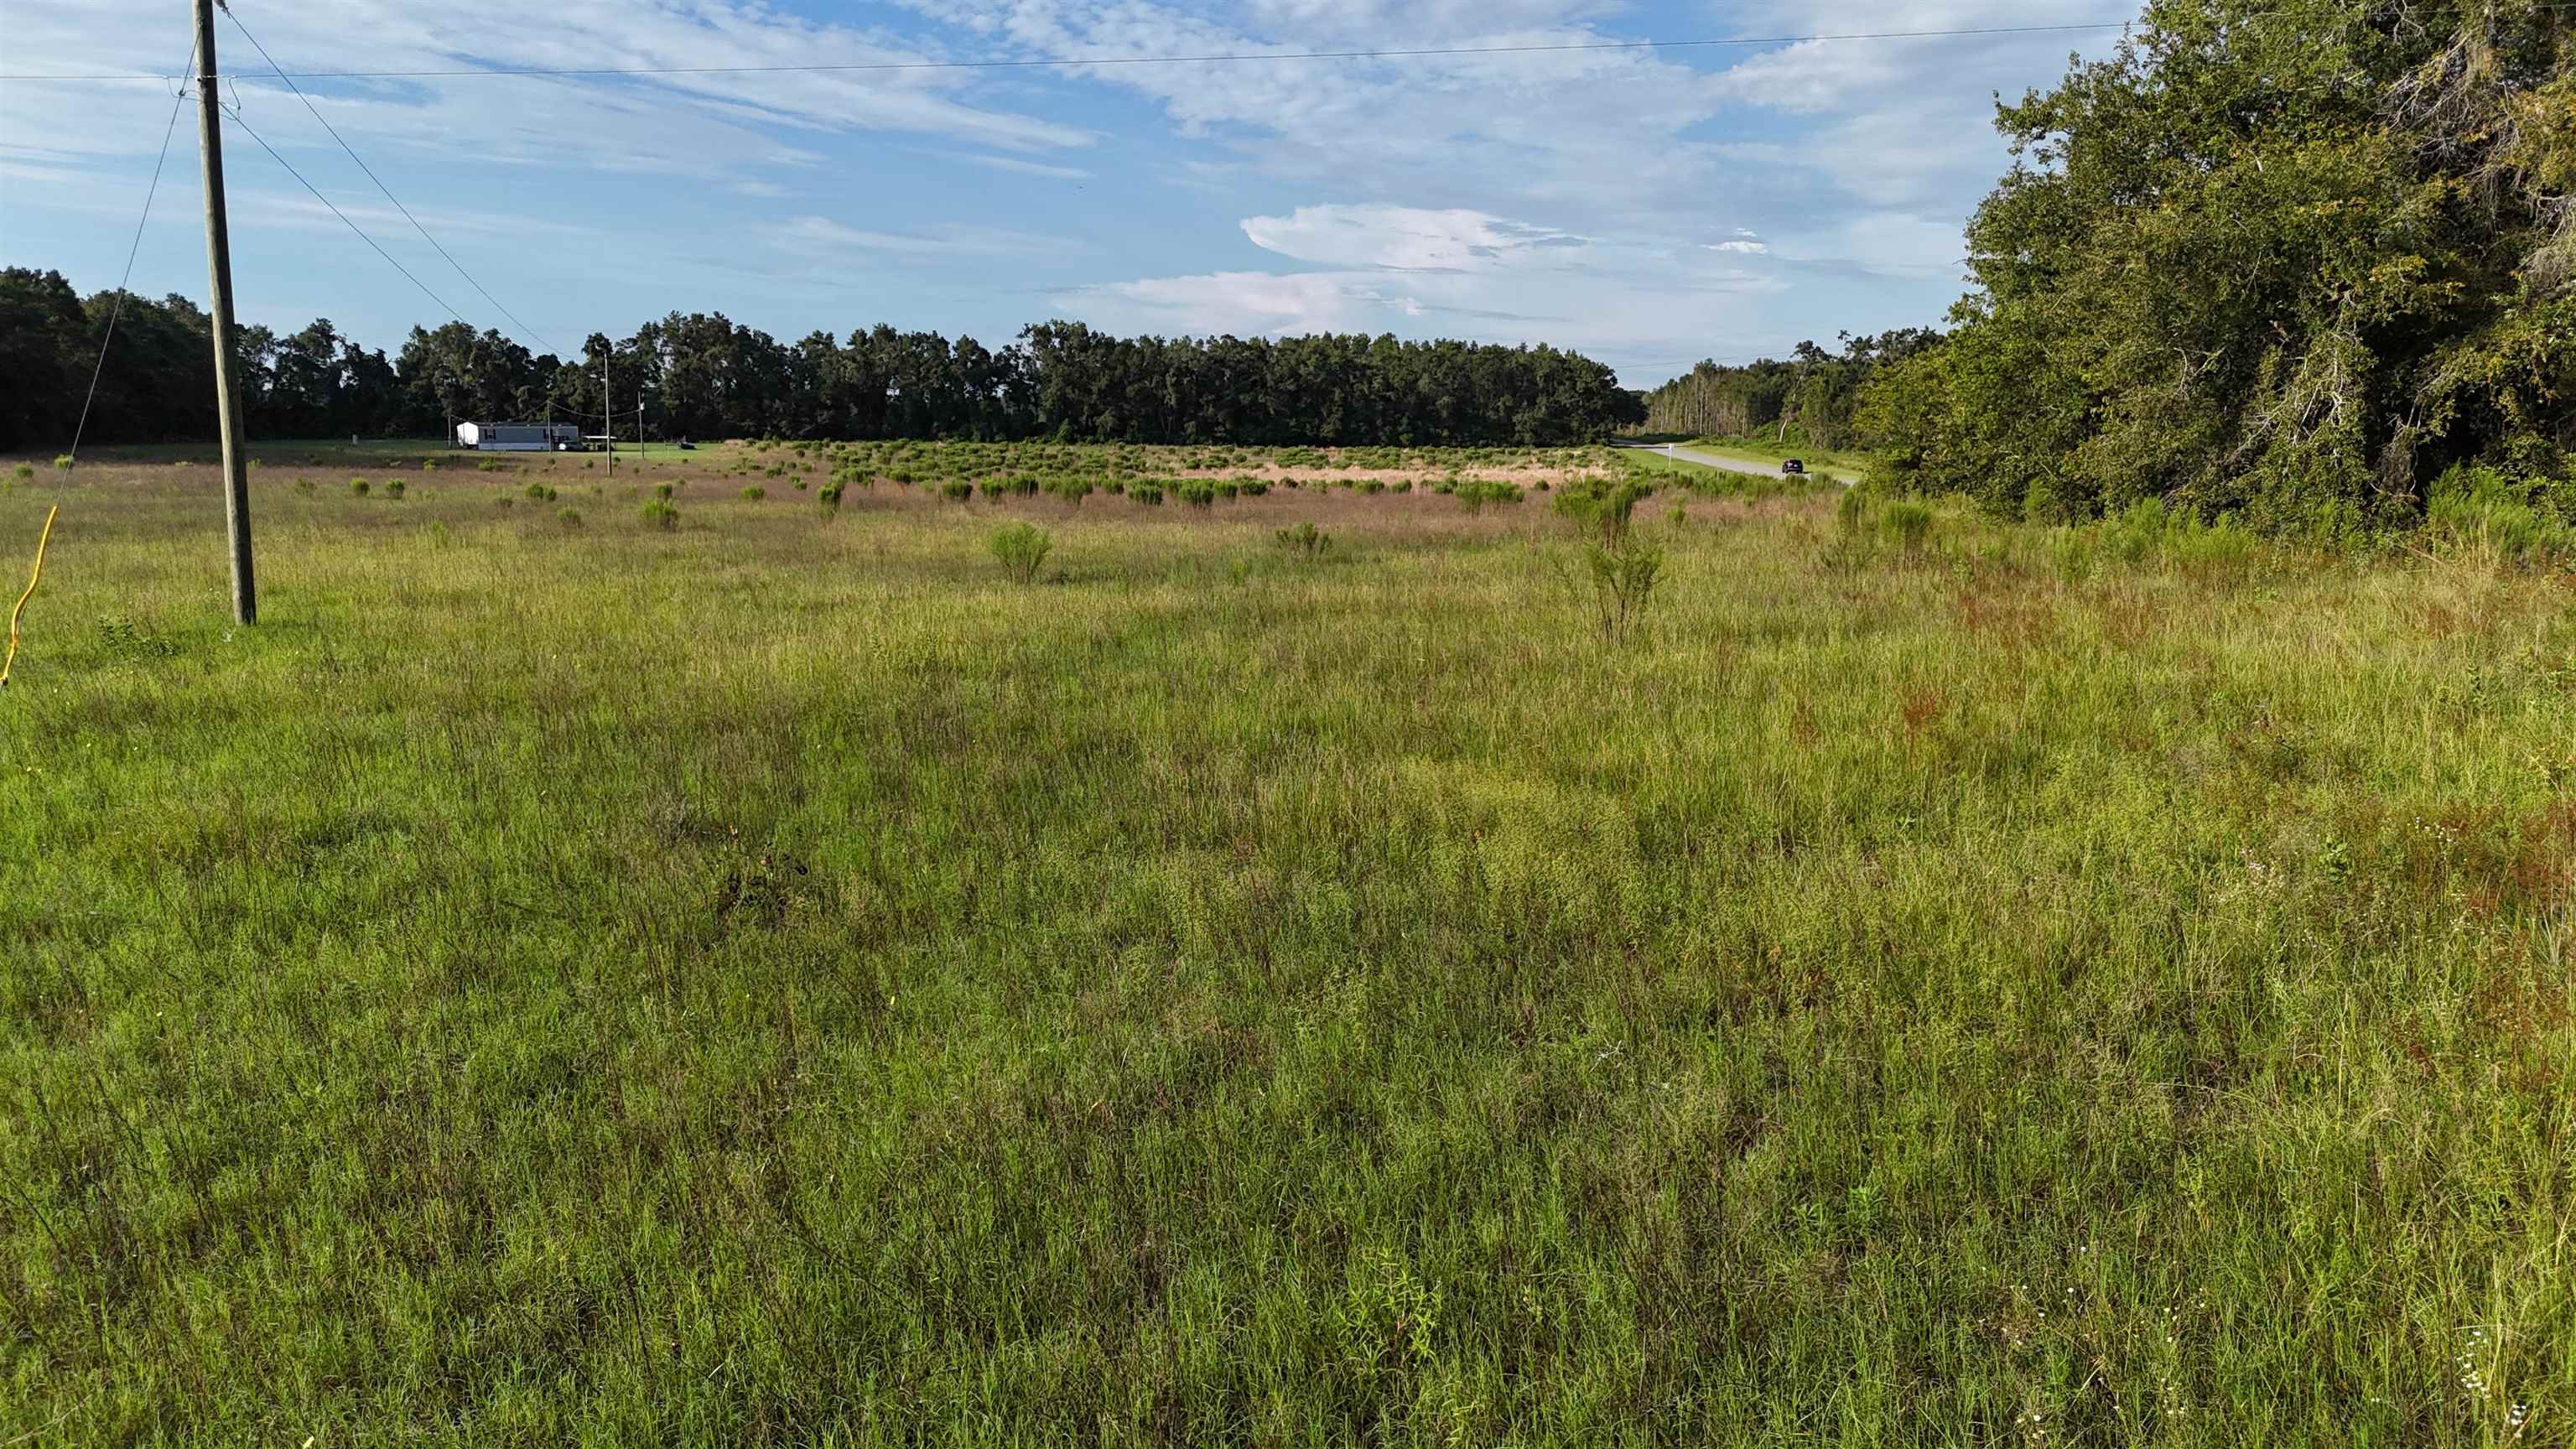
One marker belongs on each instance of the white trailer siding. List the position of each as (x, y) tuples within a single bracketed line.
[(517, 437)]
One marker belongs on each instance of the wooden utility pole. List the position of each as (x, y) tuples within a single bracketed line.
[(219, 261)]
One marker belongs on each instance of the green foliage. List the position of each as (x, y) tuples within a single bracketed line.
[(2526, 521), (957, 490), (1907, 524), (568, 517), (359, 487), (394, 488), (63, 462), (1601, 510), (1020, 548), (2279, 263), (1812, 401), (1623, 581), (657, 513), (1305, 540), (1478, 492), (754, 493), (23, 472), (829, 497)]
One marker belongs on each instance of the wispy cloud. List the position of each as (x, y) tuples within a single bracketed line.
[(822, 238)]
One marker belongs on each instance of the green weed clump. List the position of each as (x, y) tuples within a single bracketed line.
[(754, 493), (1305, 540), (829, 498), (23, 472), (1600, 510), (2524, 520), (957, 490), (1907, 524), (360, 487), (658, 513), (541, 493), (568, 517), (1021, 548), (63, 462), (394, 488)]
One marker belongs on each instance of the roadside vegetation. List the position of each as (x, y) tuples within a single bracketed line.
[(2308, 267), (1308, 970)]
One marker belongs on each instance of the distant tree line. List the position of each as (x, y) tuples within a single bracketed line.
[(700, 375), (2292, 260), (1814, 394)]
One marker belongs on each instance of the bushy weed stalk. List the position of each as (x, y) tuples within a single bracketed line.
[(1021, 548)]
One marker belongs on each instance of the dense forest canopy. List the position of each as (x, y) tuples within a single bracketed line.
[(2287, 259), (1815, 392), (702, 376)]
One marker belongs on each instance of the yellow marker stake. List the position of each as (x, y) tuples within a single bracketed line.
[(21, 606)]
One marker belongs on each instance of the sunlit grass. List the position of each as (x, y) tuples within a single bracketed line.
[(778, 979)]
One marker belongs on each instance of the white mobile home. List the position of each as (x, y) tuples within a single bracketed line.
[(519, 437)]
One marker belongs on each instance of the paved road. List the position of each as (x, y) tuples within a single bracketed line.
[(1711, 460), (1731, 465)]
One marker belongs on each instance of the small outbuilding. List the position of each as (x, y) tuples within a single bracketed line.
[(519, 437)]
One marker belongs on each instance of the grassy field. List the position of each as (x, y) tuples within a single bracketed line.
[(773, 980)]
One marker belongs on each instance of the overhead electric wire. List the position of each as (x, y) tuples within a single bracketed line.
[(1219, 58), (470, 281), (1225, 58), (178, 99), (344, 219)]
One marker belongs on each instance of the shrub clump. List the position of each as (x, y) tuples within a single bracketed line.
[(658, 513), (1907, 524), (1305, 540), (359, 487), (1021, 548)]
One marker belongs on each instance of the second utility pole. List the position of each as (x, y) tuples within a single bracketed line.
[(219, 261)]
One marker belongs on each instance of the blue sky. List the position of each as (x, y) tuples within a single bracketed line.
[(1648, 207)]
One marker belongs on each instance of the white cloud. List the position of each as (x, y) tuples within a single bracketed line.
[(821, 238), (1406, 237), (1020, 167), (1889, 242), (686, 124), (1448, 273), (1748, 248)]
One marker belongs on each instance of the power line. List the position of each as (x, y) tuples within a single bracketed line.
[(344, 218), (178, 99), (1051, 63), (380, 185)]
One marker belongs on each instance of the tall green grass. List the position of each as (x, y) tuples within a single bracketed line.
[(771, 983)]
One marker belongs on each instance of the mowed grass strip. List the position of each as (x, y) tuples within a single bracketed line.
[(779, 980)]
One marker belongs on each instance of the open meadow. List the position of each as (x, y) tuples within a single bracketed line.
[(742, 967)]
